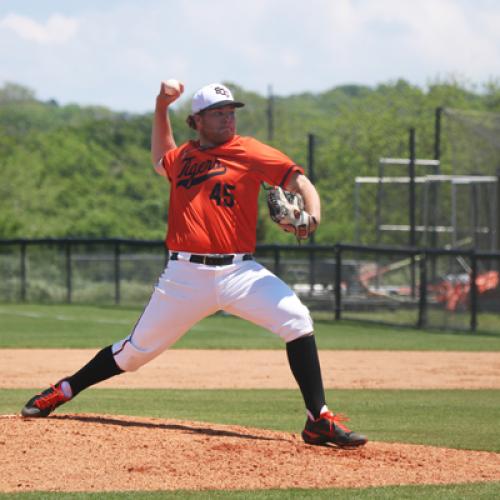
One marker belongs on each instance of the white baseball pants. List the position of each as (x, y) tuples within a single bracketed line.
[(187, 292)]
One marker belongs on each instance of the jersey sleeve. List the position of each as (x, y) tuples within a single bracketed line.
[(269, 164), (164, 166)]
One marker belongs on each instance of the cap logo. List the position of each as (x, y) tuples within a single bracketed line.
[(222, 91), (213, 95)]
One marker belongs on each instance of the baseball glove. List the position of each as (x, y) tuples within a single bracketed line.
[(287, 210)]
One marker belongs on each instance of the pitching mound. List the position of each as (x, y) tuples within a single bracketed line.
[(117, 453)]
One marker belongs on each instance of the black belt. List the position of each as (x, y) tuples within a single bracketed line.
[(208, 260)]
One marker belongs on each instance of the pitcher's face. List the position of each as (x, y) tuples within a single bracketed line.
[(216, 126)]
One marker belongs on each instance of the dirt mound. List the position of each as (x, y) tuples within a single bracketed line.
[(111, 453)]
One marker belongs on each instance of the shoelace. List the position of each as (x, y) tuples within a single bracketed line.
[(336, 419), (50, 399)]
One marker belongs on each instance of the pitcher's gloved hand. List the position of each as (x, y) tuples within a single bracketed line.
[(287, 210)]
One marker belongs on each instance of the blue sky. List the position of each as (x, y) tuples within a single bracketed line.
[(114, 53)]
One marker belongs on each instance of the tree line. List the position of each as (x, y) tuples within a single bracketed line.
[(75, 171)]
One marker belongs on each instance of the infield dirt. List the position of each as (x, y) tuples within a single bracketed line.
[(111, 453), (117, 453), (259, 369)]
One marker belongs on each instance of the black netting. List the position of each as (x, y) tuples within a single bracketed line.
[(488, 294), (45, 267), (448, 297), (10, 273), (380, 287), (140, 268), (393, 285), (472, 141), (310, 274)]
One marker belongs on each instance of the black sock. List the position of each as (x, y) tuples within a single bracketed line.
[(99, 368), (304, 363)]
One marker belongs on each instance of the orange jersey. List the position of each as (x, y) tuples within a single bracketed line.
[(214, 193)]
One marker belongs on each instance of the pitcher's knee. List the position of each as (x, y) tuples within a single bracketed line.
[(130, 362), (130, 358), (298, 325)]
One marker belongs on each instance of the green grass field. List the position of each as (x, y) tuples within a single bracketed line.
[(482, 491), (45, 326), (462, 419)]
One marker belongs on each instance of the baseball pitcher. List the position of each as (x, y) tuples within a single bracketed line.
[(211, 237)]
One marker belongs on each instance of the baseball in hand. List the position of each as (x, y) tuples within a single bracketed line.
[(173, 87)]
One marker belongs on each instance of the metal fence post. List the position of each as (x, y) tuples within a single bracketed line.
[(473, 292), (496, 218), (117, 273), (23, 271), (338, 280), (422, 303), (69, 273), (411, 208), (437, 133), (412, 194)]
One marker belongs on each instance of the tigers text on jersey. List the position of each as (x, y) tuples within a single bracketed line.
[(214, 193)]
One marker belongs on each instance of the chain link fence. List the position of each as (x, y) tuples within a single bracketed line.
[(402, 286)]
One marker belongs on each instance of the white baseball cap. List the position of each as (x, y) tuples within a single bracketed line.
[(212, 96)]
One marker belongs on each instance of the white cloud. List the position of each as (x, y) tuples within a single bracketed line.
[(373, 41), (115, 53), (290, 59), (57, 29)]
